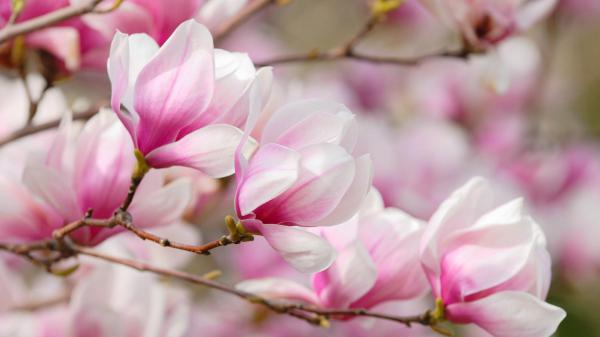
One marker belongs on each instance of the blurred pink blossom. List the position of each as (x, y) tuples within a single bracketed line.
[(484, 23), (90, 171)]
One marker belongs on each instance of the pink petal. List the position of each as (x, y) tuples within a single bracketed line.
[(305, 251), (60, 150), (326, 173), (460, 210), (509, 314), (254, 102), (128, 55), (53, 188), (277, 288), (162, 207), (210, 149), (392, 239), (22, 217), (355, 195), (104, 152), (494, 251), (234, 74), (309, 122), (351, 276), (272, 170), (174, 86)]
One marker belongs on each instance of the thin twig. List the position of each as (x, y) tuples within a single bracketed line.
[(46, 20), (242, 16), (334, 55), (310, 314), (32, 129), (199, 249)]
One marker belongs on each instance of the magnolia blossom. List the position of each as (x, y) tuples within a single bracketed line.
[(483, 23), (303, 175), (90, 171), (489, 266), (377, 261), (182, 102)]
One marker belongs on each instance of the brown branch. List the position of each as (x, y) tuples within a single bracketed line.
[(32, 129), (334, 55), (46, 20), (242, 16), (310, 314), (200, 249)]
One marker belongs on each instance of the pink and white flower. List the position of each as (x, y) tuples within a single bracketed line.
[(303, 175), (182, 103), (489, 266), (91, 171), (483, 23)]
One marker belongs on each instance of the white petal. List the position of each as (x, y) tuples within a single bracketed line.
[(305, 251)]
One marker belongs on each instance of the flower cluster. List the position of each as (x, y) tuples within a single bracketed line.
[(337, 217)]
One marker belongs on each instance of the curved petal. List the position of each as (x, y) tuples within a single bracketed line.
[(308, 122), (351, 276), (209, 149), (104, 152), (234, 73), (53, 188), (509, 314), (278, 288), (305, 251), (326, 173), (491, 253), (253, 103), (355, 195), (392, 238), (272, 170), (174, 86), (128, 55), (162, 207), (60, 150), (459, 211)]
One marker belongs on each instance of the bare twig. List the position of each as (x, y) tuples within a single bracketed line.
[(11, 31), (242, 16), (334, 55), (32, 129)]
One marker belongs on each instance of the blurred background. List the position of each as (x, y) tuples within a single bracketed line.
[(525, 114)]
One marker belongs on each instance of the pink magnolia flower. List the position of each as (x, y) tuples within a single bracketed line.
[(483, 23), (182, 102), (303, 175), (377, 261), (489, 266), (91, 170)]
